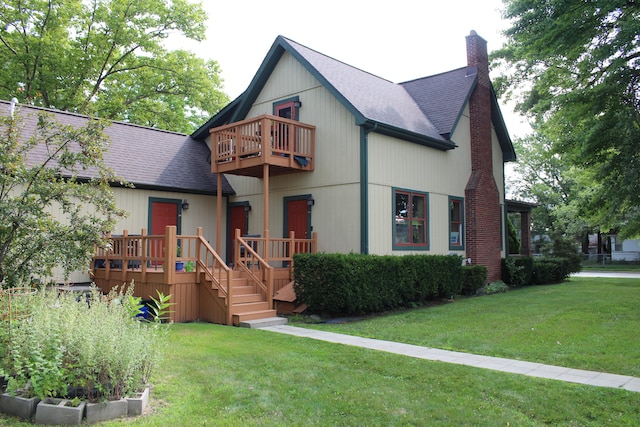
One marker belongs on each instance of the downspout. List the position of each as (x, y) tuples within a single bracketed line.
[(364, 186)]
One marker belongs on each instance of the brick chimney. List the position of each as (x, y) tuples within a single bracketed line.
[(482, 198)]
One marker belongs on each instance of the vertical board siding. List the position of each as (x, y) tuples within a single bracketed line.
[(334, 182)]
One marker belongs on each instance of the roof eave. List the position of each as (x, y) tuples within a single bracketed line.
[(508, 151), (417, 138)]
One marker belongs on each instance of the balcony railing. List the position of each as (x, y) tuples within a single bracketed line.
[(242, 148)]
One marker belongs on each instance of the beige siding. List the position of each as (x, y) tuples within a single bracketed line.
[(395, 163), (334, 184)]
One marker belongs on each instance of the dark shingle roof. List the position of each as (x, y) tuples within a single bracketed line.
[(442, 97), (146, 157), (424, 110)]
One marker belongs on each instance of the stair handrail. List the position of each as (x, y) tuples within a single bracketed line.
[(217, 265), (265, 282)]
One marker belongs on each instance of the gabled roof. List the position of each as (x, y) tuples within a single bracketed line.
[(442, 97), (146, 157), (424, 111)]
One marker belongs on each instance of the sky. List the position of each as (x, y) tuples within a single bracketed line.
[(397, 40)]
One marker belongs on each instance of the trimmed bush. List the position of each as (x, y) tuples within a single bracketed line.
[(355, 283), (517, 271), (474, 278), (549, 270)]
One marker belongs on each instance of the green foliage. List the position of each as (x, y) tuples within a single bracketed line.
[(189, 266), (354, 283), (517, 271), (51, 214), (574, 69), (107, 58), (474, 278), (160, 307), (522, 271), (87, 345), (514, 242), (496, 287)]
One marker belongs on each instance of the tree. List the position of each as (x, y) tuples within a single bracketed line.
[(55, 197), (574, 68), (106, 58)]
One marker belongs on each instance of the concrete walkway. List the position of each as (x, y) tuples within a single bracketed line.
[(496, 363)]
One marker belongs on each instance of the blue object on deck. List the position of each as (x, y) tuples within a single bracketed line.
[(302, 161)]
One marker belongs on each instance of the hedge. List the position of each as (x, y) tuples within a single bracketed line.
[(354, 283), (474, 278), (521, 271)]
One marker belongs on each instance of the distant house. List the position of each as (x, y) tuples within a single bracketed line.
[(372, 166), (169, 171), (624, 250)]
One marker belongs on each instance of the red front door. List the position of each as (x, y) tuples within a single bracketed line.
[(237, 220), (162, 215), (298, 218)]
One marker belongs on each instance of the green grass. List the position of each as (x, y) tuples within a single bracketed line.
[(585, 323), (221, 376)]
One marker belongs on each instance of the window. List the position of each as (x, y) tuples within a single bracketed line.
[(456, 223), (410, 220)]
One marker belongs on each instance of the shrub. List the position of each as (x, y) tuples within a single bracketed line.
[(474, 278), (496, 287), (517, 271), (354, 283), (72, 346), (549, 270)]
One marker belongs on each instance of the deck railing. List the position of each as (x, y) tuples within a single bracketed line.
[(270, 138)]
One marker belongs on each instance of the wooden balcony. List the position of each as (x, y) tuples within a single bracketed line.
[(243, 148)]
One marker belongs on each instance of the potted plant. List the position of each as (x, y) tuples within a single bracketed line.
[(189, 267), (179, 264)]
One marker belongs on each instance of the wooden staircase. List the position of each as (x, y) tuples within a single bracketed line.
[(247, 301)]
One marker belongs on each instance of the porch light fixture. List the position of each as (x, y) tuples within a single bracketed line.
[(185, 205), (297, 104), (311, 202), (247, 209)]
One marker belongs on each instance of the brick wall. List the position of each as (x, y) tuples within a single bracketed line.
[(482, 198)]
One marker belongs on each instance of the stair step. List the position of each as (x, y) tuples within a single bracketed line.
[(253, 315), (247, 307), (243, 290), (263, 323), (245, 298)]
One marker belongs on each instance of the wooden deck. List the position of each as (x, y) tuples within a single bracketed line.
[(244, 147), (212, 291)]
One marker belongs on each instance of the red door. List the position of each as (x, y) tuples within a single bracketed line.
[(298, 221), (298, 218), (237, 219), (162, 215)]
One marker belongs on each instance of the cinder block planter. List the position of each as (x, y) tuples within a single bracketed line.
[(107, 410), (57, 411), (136, 405), (18, 406)]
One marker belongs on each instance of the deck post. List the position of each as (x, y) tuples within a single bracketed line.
[(314, 242), (125, 254), (198, 253), (107, 261), (143, 255), (219, 180), (170, 245), (292, 251), (267, 246), (265, 191)]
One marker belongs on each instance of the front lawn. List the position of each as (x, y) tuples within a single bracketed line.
[(585, 323)]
